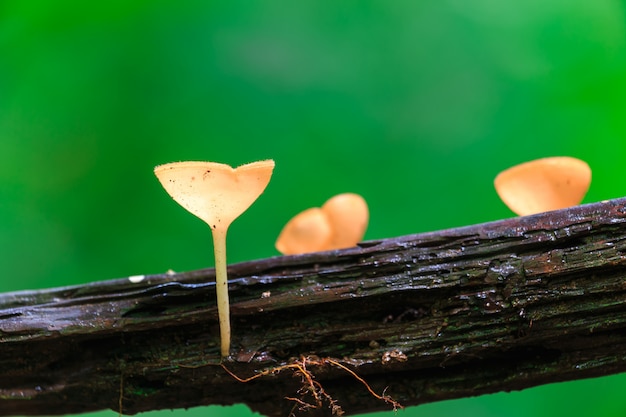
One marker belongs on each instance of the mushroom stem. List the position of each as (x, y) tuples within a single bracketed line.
[(221, 288)]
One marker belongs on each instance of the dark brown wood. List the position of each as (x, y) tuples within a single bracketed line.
[(461, 312)]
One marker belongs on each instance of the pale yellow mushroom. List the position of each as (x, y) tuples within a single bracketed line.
[(340, 223), (544, 184), (217, 194)]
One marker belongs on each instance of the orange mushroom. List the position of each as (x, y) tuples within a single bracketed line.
[(544, 184), (340, 223), (217, 194), (348, 217), (308, 231)]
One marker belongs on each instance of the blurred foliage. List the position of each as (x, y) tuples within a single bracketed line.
[(414, 105)]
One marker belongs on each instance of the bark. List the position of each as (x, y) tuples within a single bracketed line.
[(492, 307)]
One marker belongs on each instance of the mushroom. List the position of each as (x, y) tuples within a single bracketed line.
[(217, 194), (340, 223), (348, 217), (308, 231), (543, 184)]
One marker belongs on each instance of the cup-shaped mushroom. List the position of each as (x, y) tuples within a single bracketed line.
[(544, 184), (348, 216), (308, 231), (216, 193)]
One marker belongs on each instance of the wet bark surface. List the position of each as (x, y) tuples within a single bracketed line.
[(493, 307)]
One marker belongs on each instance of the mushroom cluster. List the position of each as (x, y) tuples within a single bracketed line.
[(340, 223), (218, 194)]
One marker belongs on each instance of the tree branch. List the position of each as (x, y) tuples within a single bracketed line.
[(461, 312)]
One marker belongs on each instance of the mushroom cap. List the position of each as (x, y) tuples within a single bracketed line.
[(348, 217), (544, 184), (216, 193), (308, 231)]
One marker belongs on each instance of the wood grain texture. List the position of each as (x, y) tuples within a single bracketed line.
[(492, 307)]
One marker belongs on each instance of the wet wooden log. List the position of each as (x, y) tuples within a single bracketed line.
[(461, 312)]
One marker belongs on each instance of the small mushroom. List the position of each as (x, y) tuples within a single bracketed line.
[(340, 223), (543, 184), (348, 217), (217, 194), (308, 231)]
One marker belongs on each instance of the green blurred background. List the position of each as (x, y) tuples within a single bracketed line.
[(415, 105)]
